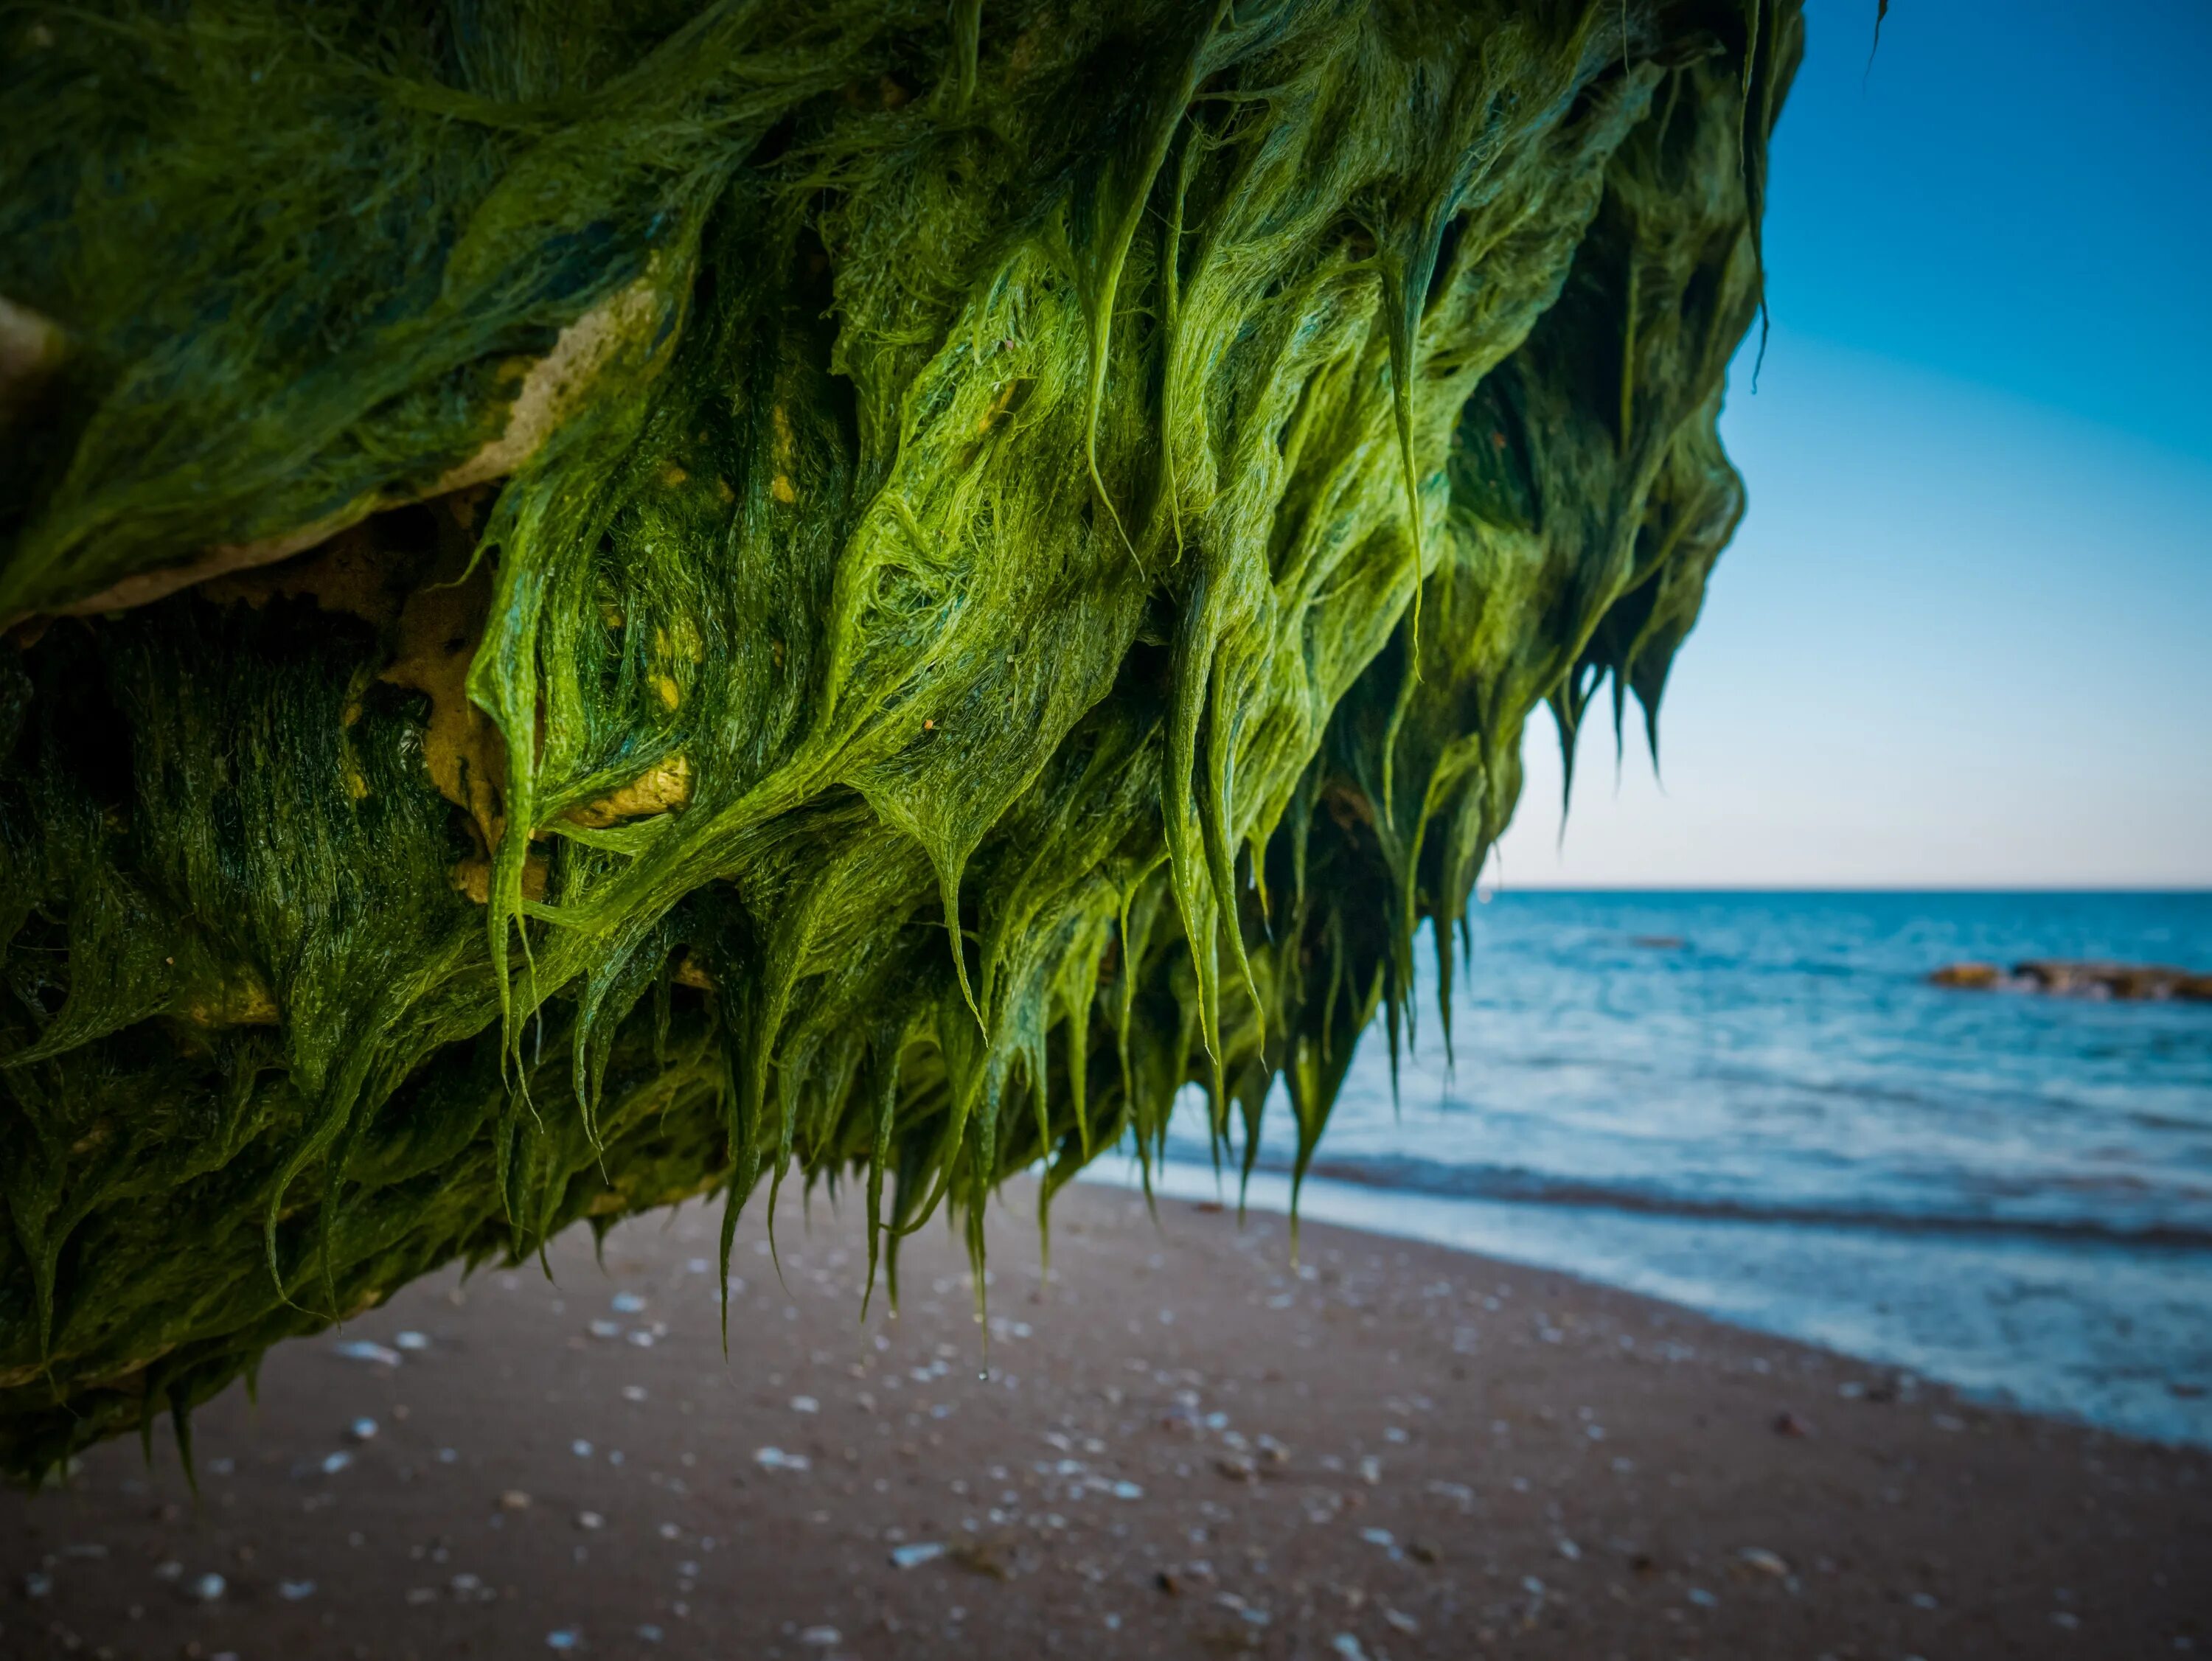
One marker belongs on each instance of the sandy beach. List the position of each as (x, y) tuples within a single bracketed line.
[(1184, 1446)]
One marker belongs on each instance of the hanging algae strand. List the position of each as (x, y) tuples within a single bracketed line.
[(602, 603)]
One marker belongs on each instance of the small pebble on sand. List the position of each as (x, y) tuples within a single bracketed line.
[(361, 1350)]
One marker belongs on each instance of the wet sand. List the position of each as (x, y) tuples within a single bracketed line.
[(1184, 1447)]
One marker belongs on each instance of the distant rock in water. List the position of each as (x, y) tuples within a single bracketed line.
[(2063, 977), (1969, 977)]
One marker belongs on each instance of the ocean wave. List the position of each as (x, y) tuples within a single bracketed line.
[(1934, 1094), (1524, 1187)]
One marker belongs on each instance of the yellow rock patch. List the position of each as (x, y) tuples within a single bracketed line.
[(665, 787)]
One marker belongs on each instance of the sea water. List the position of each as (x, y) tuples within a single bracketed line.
[(1755, 1104)]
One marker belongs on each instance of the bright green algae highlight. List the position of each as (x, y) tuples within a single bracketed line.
[(1030, 430)]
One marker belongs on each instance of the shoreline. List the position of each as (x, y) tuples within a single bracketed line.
[(1670, 1256), (1184, 1446)]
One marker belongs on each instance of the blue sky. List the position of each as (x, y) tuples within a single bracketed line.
[(1964, 635)]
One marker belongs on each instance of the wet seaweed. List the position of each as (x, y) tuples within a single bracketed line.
[(610, 603)]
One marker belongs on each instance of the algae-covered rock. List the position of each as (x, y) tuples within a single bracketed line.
[(609, 601)]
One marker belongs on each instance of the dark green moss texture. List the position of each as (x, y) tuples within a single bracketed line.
[(620, 601)]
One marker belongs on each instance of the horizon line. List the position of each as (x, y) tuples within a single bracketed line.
[(2148, 890)]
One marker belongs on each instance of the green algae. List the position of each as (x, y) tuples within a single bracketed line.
[(921, 578)]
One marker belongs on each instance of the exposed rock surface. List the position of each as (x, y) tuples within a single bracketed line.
[(2068, 978)]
